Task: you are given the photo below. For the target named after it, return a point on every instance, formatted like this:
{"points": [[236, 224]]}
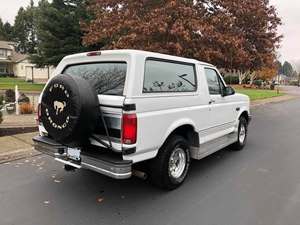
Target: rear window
{"points": [[169, 76], [108, 78]]}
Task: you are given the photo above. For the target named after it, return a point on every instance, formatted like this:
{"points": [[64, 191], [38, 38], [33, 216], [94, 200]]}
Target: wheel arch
{"points": [[246, 115], [186, 129]]}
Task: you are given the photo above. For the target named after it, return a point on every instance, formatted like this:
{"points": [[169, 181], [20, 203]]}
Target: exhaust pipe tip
{"points": [[140, 174]]}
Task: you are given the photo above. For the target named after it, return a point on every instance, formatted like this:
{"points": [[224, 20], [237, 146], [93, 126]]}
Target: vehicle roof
{"points": [[131, 52]]}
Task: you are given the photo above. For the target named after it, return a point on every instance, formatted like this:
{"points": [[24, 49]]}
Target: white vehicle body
{"points": [[210, 121]]}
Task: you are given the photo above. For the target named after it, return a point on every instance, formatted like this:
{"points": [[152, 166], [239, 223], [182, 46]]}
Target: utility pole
{"points": [[17, 100], [231, 72], [32, 80], [278, 81]]}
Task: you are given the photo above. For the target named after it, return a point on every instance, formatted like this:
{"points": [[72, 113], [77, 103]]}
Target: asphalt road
{"points": [[260, 185]]}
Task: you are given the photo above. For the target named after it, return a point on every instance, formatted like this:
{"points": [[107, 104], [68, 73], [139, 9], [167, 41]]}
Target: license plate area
{"points": [[73, 153]]}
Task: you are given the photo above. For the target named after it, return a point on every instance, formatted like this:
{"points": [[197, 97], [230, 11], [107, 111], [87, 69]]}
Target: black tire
{"points": [[159, 173], [69, 110], [239, 144]]}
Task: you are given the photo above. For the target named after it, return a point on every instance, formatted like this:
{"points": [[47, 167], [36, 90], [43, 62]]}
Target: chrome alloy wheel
{"points": [[242, 134], [177, 162]]}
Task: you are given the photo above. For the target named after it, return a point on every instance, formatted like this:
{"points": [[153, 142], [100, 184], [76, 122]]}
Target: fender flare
{"points": [[175, 125]]}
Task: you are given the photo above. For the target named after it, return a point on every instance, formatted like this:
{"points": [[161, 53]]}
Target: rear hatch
{"points": [[108, 78]]}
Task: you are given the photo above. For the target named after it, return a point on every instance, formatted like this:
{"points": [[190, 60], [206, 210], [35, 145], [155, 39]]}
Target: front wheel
{"points": [[242, 135], [169, 169]]}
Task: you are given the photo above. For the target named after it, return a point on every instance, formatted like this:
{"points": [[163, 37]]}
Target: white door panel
{"points": [[222, 109]]}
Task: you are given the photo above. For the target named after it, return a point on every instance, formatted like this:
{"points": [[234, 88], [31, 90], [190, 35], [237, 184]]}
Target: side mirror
{"points": [[228, 91]]}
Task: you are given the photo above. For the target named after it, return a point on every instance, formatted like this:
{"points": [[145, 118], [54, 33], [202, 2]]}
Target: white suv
{"points": [[122, 111]]}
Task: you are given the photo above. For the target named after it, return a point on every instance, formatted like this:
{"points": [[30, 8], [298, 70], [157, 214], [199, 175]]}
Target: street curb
{"points": [[18, 154], [12, 131]]}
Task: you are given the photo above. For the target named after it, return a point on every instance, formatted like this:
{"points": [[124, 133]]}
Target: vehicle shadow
{"points": [[88, 188]]}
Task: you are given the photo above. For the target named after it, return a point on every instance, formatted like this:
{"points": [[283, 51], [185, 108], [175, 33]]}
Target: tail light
{"points": [[129, 129], [39, 113]]}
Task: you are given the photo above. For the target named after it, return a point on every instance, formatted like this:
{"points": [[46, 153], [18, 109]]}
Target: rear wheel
{"points": [[242, 135], [169, 169]]}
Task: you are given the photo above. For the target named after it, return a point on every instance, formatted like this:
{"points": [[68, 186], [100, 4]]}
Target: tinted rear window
{"points": [[108, 78], [165, 76]]}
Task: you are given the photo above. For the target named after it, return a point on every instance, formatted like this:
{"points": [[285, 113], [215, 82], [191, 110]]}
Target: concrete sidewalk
{"points": [[16, 147], [13, 121], [272, 100]]}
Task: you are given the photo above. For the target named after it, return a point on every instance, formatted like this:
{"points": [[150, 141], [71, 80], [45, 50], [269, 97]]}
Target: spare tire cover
{"points": [[69, 110]]}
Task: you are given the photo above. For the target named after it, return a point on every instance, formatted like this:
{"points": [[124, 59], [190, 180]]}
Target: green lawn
{"points": [[256, 94], [10, 83]]}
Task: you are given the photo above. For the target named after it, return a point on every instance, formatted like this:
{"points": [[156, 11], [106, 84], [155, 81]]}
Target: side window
{"points": [[215, 85], [164, 76]]}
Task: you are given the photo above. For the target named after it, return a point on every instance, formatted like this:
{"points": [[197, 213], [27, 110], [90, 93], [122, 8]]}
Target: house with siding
{"points": [[15, 64]]}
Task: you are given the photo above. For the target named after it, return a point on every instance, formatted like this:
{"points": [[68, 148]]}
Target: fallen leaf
{"points": [[57, 181], [53, 176], [46, 202], [99, 200]]}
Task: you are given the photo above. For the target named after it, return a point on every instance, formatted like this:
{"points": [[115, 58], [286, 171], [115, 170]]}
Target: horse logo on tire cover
{"points": [[59, 106]]}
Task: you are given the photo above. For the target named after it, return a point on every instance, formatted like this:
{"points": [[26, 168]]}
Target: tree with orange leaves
{"points": [[238, 35], [267, 73]]}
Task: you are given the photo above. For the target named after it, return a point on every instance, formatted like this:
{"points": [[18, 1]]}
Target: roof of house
{"points": [[18, 57], [5, 61], [7, 45], [15, 57]]}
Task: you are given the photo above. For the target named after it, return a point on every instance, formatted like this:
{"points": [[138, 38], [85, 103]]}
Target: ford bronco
{"points": [[121, 112]]}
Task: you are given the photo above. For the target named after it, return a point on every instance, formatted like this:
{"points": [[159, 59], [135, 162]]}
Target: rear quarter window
{"points": [[108, 78], [169, 76]]}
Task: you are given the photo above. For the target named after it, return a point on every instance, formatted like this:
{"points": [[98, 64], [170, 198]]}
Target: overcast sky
{"points": [[289, 11]]}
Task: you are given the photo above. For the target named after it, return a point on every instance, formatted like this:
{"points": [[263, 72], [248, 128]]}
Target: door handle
{"points": [[211, 101]]}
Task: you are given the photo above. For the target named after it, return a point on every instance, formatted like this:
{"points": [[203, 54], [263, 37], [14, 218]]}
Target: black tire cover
{"points": [[70, 110]]}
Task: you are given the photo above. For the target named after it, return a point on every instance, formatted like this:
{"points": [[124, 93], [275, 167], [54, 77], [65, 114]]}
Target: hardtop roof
{"points": [[131, 52]]}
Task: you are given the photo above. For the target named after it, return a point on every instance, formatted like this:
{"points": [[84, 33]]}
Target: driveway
{"points": [[260, 185], [291, 90]]}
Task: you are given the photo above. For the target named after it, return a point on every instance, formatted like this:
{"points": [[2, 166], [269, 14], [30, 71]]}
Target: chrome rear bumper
{"points": [[107, 164]]}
